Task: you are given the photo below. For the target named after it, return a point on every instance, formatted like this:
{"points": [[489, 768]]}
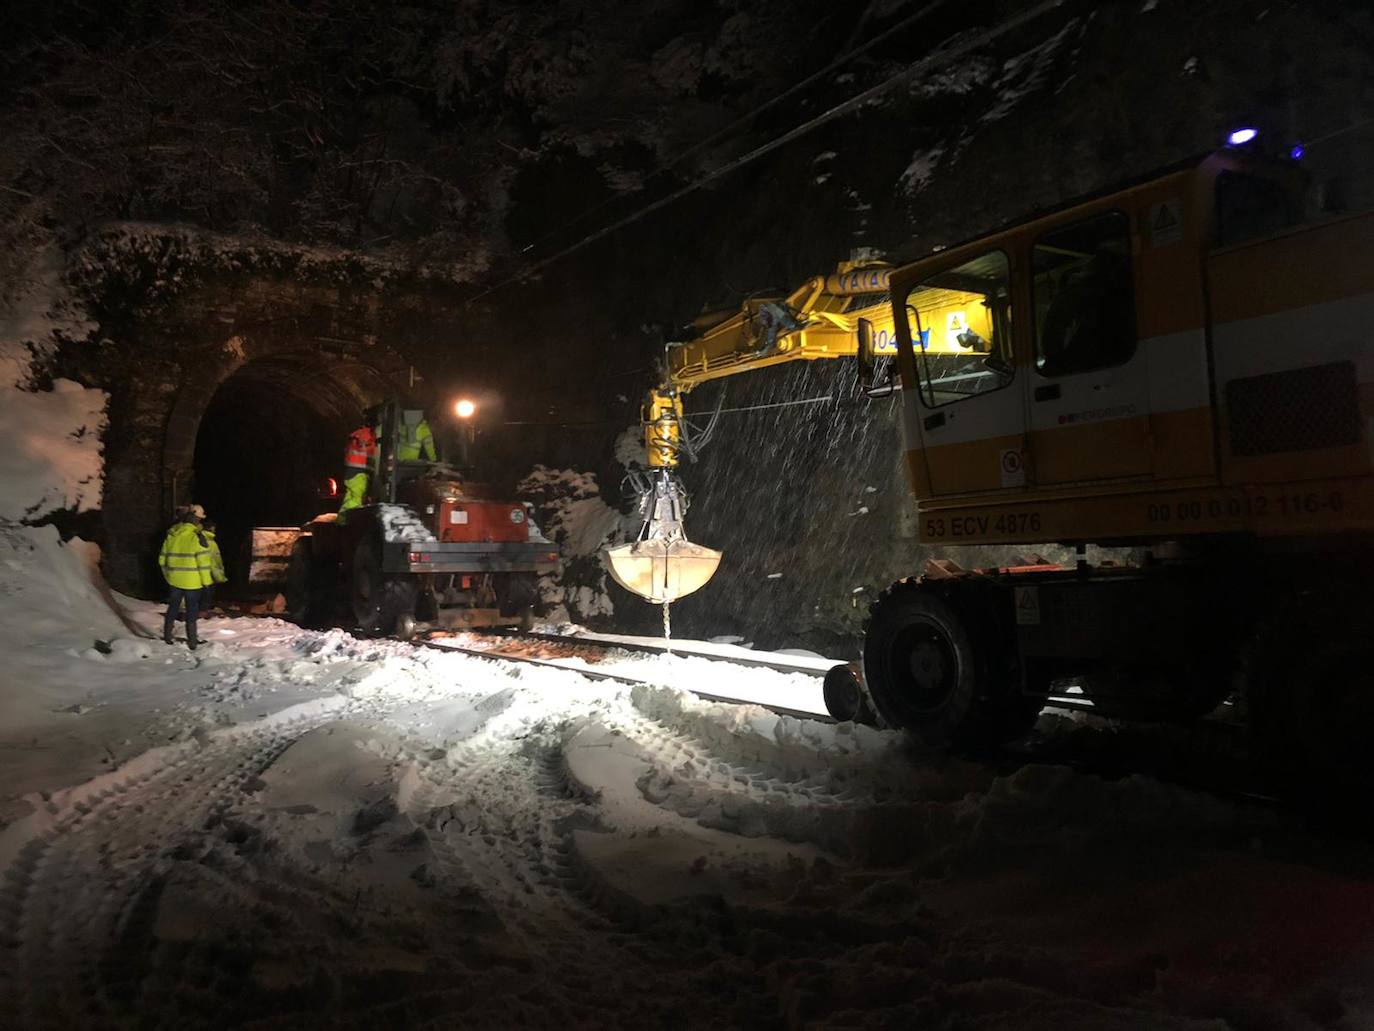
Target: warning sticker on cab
{"points": [[1166, 222], [1027, 606]]}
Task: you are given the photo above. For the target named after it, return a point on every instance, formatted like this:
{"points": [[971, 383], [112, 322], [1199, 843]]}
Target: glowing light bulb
{"points": [[1239, 137], [465, 409]]}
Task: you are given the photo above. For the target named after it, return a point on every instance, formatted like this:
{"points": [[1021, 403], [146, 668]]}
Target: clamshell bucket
{"points": [[661, 570], [662, 565]]}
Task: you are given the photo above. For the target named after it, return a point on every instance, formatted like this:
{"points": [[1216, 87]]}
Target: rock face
{"points": [[266, 353]]}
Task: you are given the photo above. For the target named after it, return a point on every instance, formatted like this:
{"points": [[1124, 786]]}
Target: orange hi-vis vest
{"points": [[362, 445]]}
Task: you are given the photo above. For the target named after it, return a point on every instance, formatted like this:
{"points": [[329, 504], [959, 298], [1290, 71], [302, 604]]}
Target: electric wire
{"points": [[933, 61]]}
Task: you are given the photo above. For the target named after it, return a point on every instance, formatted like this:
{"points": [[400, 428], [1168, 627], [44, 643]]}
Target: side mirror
{"points": [[874, 380]]}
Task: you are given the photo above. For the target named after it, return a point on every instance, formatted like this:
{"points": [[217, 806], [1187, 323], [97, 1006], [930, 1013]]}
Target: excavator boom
{"points": [[825, 317]]}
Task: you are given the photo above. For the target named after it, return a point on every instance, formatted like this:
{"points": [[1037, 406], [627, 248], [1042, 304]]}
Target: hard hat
{"points": [[195, 511]]}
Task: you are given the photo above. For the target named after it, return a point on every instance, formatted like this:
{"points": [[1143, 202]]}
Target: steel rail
{"points": [[647, 648], [496, 655]]}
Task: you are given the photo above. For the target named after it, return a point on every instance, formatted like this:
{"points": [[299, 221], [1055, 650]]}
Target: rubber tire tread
{"points": [[985, 708], [391, 597], [309, 590]]}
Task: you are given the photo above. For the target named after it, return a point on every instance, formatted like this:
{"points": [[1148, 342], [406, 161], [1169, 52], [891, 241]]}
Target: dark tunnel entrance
{"points": [[271, 434]]}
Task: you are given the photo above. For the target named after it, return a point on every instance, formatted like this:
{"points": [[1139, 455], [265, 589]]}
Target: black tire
{"points": [[379, 599], [516, 593], [928, 674], [309, 586], [845, 698]]}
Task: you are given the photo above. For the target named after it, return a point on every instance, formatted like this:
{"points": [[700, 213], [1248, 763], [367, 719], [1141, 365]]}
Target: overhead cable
{"points": [[936, 60], [744, 119]]}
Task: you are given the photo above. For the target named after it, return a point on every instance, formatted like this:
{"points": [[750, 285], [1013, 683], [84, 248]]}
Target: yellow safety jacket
{"points": [[415, 441], [185, 558], [216, 559]]}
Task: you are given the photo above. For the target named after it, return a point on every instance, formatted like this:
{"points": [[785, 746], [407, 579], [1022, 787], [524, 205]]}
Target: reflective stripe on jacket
{"points": [[362, 445], [185, 558], [216, 559], [415, 441]]}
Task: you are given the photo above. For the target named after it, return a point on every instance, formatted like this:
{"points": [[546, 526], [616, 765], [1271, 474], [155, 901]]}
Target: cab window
{"points": [[960, 324], [1084, 298]]}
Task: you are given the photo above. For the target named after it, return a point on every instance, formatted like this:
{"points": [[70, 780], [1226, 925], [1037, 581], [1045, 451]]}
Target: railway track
{"points": [[1209, 756], [578, 654]]}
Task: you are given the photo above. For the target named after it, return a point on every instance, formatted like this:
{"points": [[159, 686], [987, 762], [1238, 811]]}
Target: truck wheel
{"points": [[516, 592], [919, 665], [927, 672], [379, 600], [309, 585]]}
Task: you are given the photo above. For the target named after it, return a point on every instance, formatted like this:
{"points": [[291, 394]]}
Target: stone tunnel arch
{"points": [[267, 436], [248, 430]]}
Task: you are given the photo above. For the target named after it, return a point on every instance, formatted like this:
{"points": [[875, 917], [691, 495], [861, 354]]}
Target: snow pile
{"points": [[50, 614], [921, 169], [400, 524], [574, 516], [51, 459]]}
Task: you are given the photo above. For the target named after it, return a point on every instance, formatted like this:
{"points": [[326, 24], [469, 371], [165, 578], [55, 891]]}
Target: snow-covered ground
{"points": [[292, 828], [295, 829]]}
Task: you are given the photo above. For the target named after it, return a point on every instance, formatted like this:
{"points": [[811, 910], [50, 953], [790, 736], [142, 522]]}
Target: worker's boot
{"points": [[192, 641], [167, 628]]}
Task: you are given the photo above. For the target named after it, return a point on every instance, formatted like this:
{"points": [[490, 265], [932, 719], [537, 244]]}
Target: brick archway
{"points": [[150, 454], [342, 382]]}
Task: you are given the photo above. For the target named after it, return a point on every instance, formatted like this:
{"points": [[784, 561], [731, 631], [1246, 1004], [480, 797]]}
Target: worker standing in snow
{"points": [[358, 459], [186, 566], [217, 574], [416, 441]]}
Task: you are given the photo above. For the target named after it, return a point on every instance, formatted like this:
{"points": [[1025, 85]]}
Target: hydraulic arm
{"points": [[825, 317]]}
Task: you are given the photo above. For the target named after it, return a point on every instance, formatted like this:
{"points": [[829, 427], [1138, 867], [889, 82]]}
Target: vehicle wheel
{"points": [[845, 698], [379, 599], [309, 586], [920, 666], [516, 592], [926, 673]]}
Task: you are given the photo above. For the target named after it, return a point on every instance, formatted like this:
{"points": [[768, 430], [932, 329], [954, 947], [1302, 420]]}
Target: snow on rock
{"points": [[1029, 71], [629, 447], [52, 454], [573, 515], [920, 170], [400, 524]]}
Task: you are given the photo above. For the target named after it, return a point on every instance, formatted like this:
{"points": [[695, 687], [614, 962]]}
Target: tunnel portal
{"points": [[272, 432]]}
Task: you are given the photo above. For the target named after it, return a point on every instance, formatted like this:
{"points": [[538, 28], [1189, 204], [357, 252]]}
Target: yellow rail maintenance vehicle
{"points": [[1184, 368]]}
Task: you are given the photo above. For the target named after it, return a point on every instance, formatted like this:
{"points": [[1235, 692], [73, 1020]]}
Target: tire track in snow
{"points": [[502, 821], [87, 879]]}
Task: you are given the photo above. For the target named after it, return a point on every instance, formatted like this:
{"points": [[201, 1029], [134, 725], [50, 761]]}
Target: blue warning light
{"points": [[1297, 152], [1240, 137]]}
